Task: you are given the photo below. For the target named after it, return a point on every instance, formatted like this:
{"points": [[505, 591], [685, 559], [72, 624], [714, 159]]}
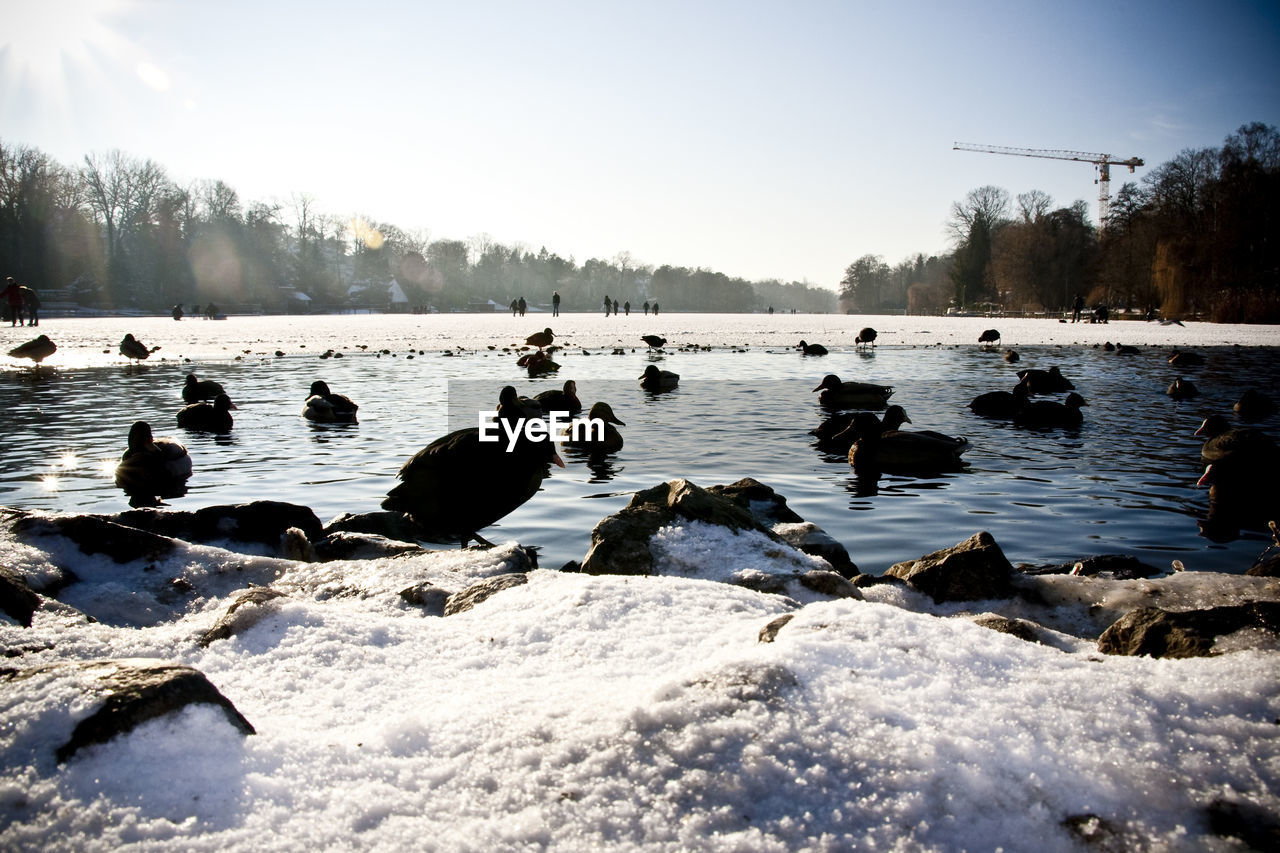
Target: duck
{"points": [[1242, 465], [325, 407], [1048, 413], [1182, 389], [852, 395], [1001, 404], [1223, 442], [989, 336], [36, 349], [560, 399], [541, 339], [134, 349], [1049, 381], [655, 380], [835, 436], [194, 390], [1182, 358], [458, 485], [537, 363], [1126, 349], [654, 341], [879, 450], [208, 417], [1254, 405], [1012, 356], [586, 438], [866, 336], [812, 349], [152, 468]]}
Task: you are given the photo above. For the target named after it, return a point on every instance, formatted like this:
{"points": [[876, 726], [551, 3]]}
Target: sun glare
{"points": [[41, 40]]}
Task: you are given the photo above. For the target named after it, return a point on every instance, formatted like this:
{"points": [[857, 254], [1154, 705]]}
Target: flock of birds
{"points": [[459, 484]]}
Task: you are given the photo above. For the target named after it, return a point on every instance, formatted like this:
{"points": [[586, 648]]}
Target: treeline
{"points": [[1199, 236], [116, 232]]}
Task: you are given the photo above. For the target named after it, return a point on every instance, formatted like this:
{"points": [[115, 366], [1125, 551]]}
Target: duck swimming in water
{"points": [[895, 451], [1001, 404], [590, 440], [152, 468], [560, 399], [812, 349], [1047, 413], [194, 390], [325, 407], [1049, 381], [458, 485], [654, 380], [1254, 405], [852, 395], [208, 417], [1182, 389], [835, 434]]}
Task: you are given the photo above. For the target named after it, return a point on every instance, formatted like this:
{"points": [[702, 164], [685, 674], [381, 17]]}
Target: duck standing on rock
{"points": [[152, 468], [194, 390], [588, 439], [812, 349], [325, 407], [1047, 413], [208, 417], [37, 349], [655, 381], [852, 395], [134, 349], [458, 485]]}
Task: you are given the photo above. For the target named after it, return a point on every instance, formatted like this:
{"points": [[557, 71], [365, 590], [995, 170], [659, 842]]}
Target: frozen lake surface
{"points": [[1123, 483]]}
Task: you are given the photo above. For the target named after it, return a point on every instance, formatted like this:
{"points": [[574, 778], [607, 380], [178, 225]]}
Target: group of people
{"points": [[611, 306], [519, 306], [210, 311], [21, 302]]}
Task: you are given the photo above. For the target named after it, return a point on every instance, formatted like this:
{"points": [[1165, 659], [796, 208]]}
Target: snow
{"points": [[583, 712]]}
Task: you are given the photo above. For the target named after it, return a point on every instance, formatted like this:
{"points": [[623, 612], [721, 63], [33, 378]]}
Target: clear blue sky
{"points": [[778, 139]]}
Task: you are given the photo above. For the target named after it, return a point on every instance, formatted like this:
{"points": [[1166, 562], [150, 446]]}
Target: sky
{"points": [[760, 139]]}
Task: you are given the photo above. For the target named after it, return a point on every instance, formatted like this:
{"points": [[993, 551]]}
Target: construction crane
{"points": [[1102, 162]]}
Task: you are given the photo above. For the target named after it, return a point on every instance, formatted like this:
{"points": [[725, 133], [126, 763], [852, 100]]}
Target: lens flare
{"points": [[366, 234]]}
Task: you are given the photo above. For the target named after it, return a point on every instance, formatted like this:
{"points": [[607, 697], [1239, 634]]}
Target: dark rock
{"points": [[393, 525], [345, 545], [812, 539], [1121, 567], [132, 692], [769, 632], [95, 535], [1019, 628], [974, 569], [765, 505], [1253, 825], [829, 583], [864, 581], [17, 599], [765, 582], [476, 593], [431, 598], [264, 522], [1268, 567], [249, 608], [1184, 634]]}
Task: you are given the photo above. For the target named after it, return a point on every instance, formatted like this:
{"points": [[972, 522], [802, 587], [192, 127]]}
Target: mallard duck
{"points": [[812, 349], [866, 336], [1047, 413], [1254, 405], [134, 349], [1012, 356], [1182, 358], [1049, 381], [835, 434], [1001, 404], [655, 380], [560, 399], [325, 407], [208, 417], [589, 439], [194, 390], [878, 450], [852, 395], [37, 349], [989, 336], [541, 339], [1182, 389], [1126, 349], [654, 341], [459, 485], [1223, 442], [152, 468]]}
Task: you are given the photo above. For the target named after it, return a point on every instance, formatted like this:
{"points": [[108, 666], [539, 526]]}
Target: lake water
{"points": [[1123, 483]]}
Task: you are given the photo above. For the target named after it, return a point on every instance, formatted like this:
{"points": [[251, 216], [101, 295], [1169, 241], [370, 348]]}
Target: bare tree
{"points": [[1033, 205], [987, 207]]}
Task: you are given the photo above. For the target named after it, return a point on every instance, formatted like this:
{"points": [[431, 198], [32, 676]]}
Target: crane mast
{"points": [[1102, 162]]}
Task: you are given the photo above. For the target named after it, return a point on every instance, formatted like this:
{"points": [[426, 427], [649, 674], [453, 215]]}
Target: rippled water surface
{"points": [[1123, 483]]}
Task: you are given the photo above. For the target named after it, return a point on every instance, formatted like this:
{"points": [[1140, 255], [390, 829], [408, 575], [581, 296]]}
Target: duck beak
{"points": [[1206, 476], [555, 457]]}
